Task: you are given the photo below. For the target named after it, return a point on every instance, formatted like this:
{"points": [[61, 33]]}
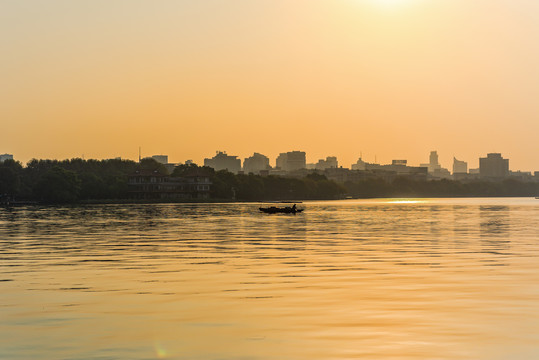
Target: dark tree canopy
{"points": [[58, 185], [74, 180], [10, 177]]}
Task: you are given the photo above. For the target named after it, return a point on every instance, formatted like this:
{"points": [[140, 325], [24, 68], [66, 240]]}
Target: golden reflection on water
{"points": [[373, 279], [406, 201]]}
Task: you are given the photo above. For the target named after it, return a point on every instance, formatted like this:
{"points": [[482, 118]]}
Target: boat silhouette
{"points": [[281, 210]]}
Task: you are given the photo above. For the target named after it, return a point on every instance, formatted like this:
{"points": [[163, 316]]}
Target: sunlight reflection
{"points": [[406, 201], [160, 351]]}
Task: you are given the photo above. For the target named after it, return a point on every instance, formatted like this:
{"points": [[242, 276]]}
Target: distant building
{"points": [[255, 164], [385, 172], [493, 166], [154, 185], [170, 167], [459, 167], [162, 159], [342, 176], [522, 175], [222, 161], [359, 165], [401, 168], [330, 163], [434, 168], [372, 166], [5, 157], [433, 158], [399, 162], [291, 161], [474, 171], [433, 165]]}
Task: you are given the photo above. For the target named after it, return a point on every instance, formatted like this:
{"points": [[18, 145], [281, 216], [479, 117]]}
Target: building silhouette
{"points": [[255, 164], [222, 161], [436, 170], [399, 162], [493, 166], [330, 163], [5, 157], [154, 184], [433, 165], [401, 168], [359, 165], [459, 167], [291, 161], [162, 159]]}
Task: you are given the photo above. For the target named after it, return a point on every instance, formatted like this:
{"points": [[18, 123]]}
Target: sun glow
{"points": [[389, 3]]}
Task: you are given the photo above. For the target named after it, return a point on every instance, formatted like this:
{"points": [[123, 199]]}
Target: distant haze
{"points": [[393, 80]]}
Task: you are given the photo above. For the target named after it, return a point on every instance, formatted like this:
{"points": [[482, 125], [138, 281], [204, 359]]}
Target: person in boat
{"points": [[294, 208]]}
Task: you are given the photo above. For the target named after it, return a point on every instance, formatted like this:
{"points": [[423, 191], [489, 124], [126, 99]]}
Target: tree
{"points": [[10, 177], [151, 164], [58, 186]]}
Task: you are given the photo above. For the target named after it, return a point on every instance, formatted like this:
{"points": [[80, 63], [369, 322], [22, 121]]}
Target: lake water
{"points": [[366, 279]]}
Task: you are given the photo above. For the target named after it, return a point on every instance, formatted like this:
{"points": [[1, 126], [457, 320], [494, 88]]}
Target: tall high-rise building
{"points": [[222, 161], [256, 163], [433, 159], [290, 161], [493, 166], [434, 167], [459, 167], [433, 164]]}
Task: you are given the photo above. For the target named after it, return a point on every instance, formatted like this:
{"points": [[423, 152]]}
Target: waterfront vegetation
{"points": [[78, 180]]}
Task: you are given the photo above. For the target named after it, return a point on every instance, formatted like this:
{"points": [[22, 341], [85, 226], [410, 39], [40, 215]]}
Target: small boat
{"points": [[281, 210]]}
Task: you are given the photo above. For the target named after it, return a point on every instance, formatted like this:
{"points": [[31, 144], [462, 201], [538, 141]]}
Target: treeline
{"points": [[406, 187], [53, 181], [75, 180], [253, 187]]}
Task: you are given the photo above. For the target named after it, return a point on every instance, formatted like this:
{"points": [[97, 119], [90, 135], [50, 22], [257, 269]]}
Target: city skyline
{"points": [[446, 159], [389, 79], [222, 160]]}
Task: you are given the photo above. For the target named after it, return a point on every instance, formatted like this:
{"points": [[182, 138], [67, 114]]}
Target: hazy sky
{"points": [[391, 78]]}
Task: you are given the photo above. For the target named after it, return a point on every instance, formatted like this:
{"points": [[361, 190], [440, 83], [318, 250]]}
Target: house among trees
{"points": [[149, 184]]}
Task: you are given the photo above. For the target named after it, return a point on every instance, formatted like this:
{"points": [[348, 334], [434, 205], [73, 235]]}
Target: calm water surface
{"points": [[369, 279]]}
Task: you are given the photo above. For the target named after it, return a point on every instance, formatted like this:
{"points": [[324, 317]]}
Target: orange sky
{"points": [[390, 78]]}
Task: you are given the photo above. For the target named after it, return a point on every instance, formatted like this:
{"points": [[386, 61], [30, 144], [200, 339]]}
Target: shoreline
{"points": [[228, 201]]}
